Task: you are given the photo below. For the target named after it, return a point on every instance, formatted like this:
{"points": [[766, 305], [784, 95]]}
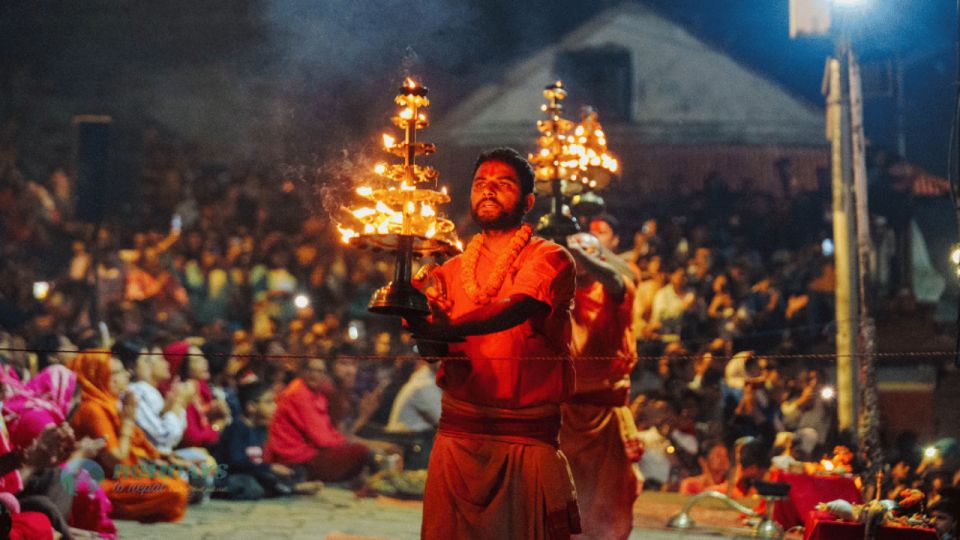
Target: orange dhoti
{"points": [[147, 500], [495, 474], [592, 438]]}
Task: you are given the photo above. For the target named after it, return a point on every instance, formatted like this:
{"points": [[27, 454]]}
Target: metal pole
{"points": [[838, 122], [869, 428]]}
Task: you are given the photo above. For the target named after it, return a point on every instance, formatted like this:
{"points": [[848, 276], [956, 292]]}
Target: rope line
{"points": [[286, 356]]}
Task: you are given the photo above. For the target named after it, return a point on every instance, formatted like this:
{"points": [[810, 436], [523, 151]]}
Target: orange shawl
{"points": [[98, 416]]}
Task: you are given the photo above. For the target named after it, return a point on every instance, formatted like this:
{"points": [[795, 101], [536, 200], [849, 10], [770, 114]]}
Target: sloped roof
{"points": [[684, 92]]}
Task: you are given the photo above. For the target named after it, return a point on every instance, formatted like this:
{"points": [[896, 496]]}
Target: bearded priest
{"points": [[496, 470]]}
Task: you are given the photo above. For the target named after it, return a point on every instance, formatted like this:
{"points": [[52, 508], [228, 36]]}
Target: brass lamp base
{"points": [[588, 204], [400, 299], [557, 227]]}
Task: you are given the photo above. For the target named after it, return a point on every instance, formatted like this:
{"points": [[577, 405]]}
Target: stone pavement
{"points": [[337, 514]]}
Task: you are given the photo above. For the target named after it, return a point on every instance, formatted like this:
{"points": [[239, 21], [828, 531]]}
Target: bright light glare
{"points": [[828, 392], [41, 289], [930, 452], [353, 332], [301, 301], [955, 255], [851, 3]]}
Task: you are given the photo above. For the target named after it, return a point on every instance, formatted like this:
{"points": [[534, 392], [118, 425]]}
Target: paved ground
{"points": [[336, 514]]}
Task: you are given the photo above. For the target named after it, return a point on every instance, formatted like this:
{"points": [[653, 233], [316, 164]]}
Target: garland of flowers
{"points": [[468, 267]]}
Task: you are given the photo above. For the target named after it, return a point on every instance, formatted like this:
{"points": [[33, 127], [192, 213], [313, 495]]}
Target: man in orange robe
{"points": [[496, 470], [598, 434]]}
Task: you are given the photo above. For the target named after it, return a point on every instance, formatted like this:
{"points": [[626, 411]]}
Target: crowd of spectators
{"points": [[243, 324]]}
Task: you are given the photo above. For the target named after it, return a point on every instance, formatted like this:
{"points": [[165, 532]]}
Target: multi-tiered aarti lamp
{"points": [[571, 161], [399, 209]]}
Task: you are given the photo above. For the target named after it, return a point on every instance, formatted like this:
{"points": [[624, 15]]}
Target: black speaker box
{"points": [[92, 166]]}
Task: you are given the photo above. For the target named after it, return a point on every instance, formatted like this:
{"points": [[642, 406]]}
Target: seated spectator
{"points": [[752, 464], [163, 420], [748, 408], [16, 520], [672, 304], [945, 515], [715, 463], [415, 415], [102, 381], [302, 434], [417, 406], [807, 410], [241, 450], [206, 414], [661, 442]]}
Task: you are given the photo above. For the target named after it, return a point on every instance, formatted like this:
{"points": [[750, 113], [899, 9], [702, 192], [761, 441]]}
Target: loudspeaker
{"points": [[92, 166]]}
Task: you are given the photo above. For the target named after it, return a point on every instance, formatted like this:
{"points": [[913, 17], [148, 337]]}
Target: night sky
{"points": [[289, 77]]}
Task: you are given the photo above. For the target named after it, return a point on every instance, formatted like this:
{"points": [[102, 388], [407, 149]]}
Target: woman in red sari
{"points": [[102, 380]]}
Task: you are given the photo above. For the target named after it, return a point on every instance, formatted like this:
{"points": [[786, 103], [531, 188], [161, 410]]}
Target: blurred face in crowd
{"points": [[151, 261], [261, 411], [718, 459], [495, 199], [315, 374], [654, 266], [119, 377], [650, 227], [382, 344], [209, 258], [943, 522], [199, 367], [306, 253], [605, 234], [345, 372], [720, 284], [678, 278]]}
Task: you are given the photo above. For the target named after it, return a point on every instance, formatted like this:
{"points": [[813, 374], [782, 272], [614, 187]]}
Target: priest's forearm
{"points": [[611, 279], [497, 316]]}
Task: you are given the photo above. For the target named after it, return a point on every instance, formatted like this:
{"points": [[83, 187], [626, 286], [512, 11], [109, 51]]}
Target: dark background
{"points": [[301, 80]]}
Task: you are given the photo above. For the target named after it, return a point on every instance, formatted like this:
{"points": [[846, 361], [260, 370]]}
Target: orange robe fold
{"points": [[497, 486], [596, 425], [488, 478]]}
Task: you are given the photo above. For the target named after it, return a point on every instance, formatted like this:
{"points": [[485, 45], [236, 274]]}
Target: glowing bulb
{"points": [[410, 83], [955, 255], [41, 289], [828, 393], [930, 452], [365, 191], [388, 140], [301, 301], [379, 168], [406, 113]]}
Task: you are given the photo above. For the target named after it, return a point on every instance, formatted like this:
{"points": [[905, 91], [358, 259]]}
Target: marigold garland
{"points": [[468, 266]]}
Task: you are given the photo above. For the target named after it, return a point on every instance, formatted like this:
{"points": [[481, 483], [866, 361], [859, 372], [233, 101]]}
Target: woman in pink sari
{"points": [[46, 400]]}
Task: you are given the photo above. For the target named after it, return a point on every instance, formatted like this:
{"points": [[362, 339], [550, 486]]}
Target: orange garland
{"points": [[468, 266]]}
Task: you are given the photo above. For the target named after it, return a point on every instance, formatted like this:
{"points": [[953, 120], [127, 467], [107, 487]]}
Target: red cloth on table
{"points": [[808, 490], [301, 426], [822, 526]]}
